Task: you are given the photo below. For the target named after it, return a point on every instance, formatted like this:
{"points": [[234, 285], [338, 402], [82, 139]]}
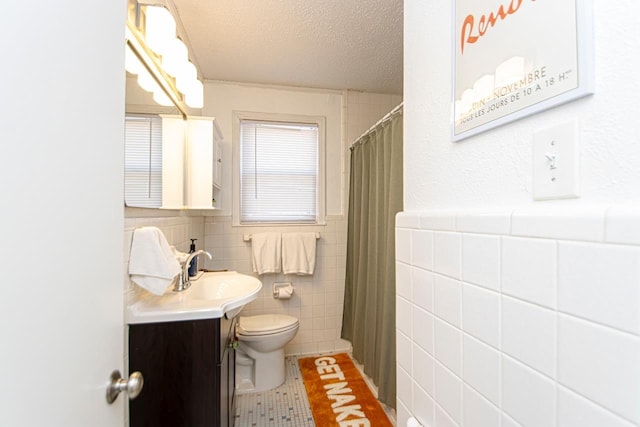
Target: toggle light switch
{"points": [[556, 169]]}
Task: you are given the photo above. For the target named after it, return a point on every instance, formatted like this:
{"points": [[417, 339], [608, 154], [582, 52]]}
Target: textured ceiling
{"points": [[330, 44]]}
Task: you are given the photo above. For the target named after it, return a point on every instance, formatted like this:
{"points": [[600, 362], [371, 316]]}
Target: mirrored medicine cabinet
{"points": [[170, 162]]}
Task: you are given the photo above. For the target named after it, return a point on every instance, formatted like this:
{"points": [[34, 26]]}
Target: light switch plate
{"points": [[556, 169]]}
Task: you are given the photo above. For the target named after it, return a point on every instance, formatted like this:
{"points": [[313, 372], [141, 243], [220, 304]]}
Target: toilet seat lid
{"points": [[265, 324]]}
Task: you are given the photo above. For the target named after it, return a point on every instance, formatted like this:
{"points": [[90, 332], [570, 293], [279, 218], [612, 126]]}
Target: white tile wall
{"points": [[448, 392], [508, 421], [422, 324], [403, 249], [529, 270], [622, 225], [425, 408], [404, 357], [575, 410], [443, 419], [541, 327], [404, 279], [318, 300], [481, 314], [422, 249], [561, 222], [478, 411], [482, 368], [441, 221], [600, 364], [423, 366], [583, 271], [447, 254], [404, 412], [481, 260], [528, 334], [494, 221], [403, 316], [448, 346], [404, 387], [527, 396], [422, 288], [447, 295]]}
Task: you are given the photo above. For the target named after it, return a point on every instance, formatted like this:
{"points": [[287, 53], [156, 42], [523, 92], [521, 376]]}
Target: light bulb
{"points": [[174, 57], [160, 28], [186, 76], [131, 62], [145, 81], [161, 98], [194, 97]]}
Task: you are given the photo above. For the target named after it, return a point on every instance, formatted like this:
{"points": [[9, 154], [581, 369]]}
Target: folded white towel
{"points": [[298, 253], [266, 252], [152, 264]]}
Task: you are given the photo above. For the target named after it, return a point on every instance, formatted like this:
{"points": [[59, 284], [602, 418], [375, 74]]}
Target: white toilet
{"points": [[260, 355]]}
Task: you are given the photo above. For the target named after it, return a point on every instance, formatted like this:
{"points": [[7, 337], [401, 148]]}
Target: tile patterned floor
{"points": [[284, 406]]}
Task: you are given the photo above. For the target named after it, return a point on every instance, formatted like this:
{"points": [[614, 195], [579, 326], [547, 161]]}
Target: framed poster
{"points": [[514, 58]]}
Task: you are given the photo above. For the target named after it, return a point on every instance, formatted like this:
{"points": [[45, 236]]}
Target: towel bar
{"points": [[247, 237]]}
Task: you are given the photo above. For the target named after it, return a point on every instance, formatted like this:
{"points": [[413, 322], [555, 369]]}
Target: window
{"points": [[143, 161], [280, 179]]}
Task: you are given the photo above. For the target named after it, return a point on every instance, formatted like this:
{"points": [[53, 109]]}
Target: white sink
{"points": [[211, 296]]}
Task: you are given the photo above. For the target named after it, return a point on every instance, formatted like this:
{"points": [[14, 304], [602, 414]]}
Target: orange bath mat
{"points": [[338, 395]]}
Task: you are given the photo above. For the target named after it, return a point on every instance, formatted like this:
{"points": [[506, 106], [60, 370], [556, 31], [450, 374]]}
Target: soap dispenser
{"points": [[193, 266]]}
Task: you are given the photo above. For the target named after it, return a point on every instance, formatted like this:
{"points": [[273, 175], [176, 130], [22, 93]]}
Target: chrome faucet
{"points": [[183, 281]]}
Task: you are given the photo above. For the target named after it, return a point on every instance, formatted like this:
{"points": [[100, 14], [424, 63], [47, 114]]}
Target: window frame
{"points": [[320, 121]]}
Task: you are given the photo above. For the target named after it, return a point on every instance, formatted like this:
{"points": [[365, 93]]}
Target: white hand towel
{"points": [[266, 252], [152, 264], [298, 253]]}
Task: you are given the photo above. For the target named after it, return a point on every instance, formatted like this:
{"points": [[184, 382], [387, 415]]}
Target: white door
{"points": [[61, 212]]}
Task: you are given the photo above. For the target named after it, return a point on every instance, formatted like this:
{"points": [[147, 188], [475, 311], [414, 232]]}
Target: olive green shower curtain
{"points": [[375, 197]]}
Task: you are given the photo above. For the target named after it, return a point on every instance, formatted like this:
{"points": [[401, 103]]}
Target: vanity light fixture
{"points": [[160, 59]]}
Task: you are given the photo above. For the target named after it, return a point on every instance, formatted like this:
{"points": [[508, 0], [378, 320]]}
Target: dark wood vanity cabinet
{"points": [[189, 373]]}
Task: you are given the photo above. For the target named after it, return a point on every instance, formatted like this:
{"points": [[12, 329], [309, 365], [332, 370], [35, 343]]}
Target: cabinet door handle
{"points": [[132, 386]]}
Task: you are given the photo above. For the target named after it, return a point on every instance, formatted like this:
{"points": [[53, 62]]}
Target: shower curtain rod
{"points": [[382, 120]]}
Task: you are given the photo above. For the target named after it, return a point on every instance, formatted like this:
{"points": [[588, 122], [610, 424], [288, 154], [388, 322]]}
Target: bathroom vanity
{"points": [[189, 373], [183, 343]]}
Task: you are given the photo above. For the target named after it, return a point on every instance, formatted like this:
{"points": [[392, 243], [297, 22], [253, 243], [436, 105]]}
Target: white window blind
{"points": [[278, 172], [143, 161]]}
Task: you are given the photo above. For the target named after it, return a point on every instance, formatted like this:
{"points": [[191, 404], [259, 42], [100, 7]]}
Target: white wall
{"points": [[520, 317], [531, 308], [494, 168], [222, 99]]}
